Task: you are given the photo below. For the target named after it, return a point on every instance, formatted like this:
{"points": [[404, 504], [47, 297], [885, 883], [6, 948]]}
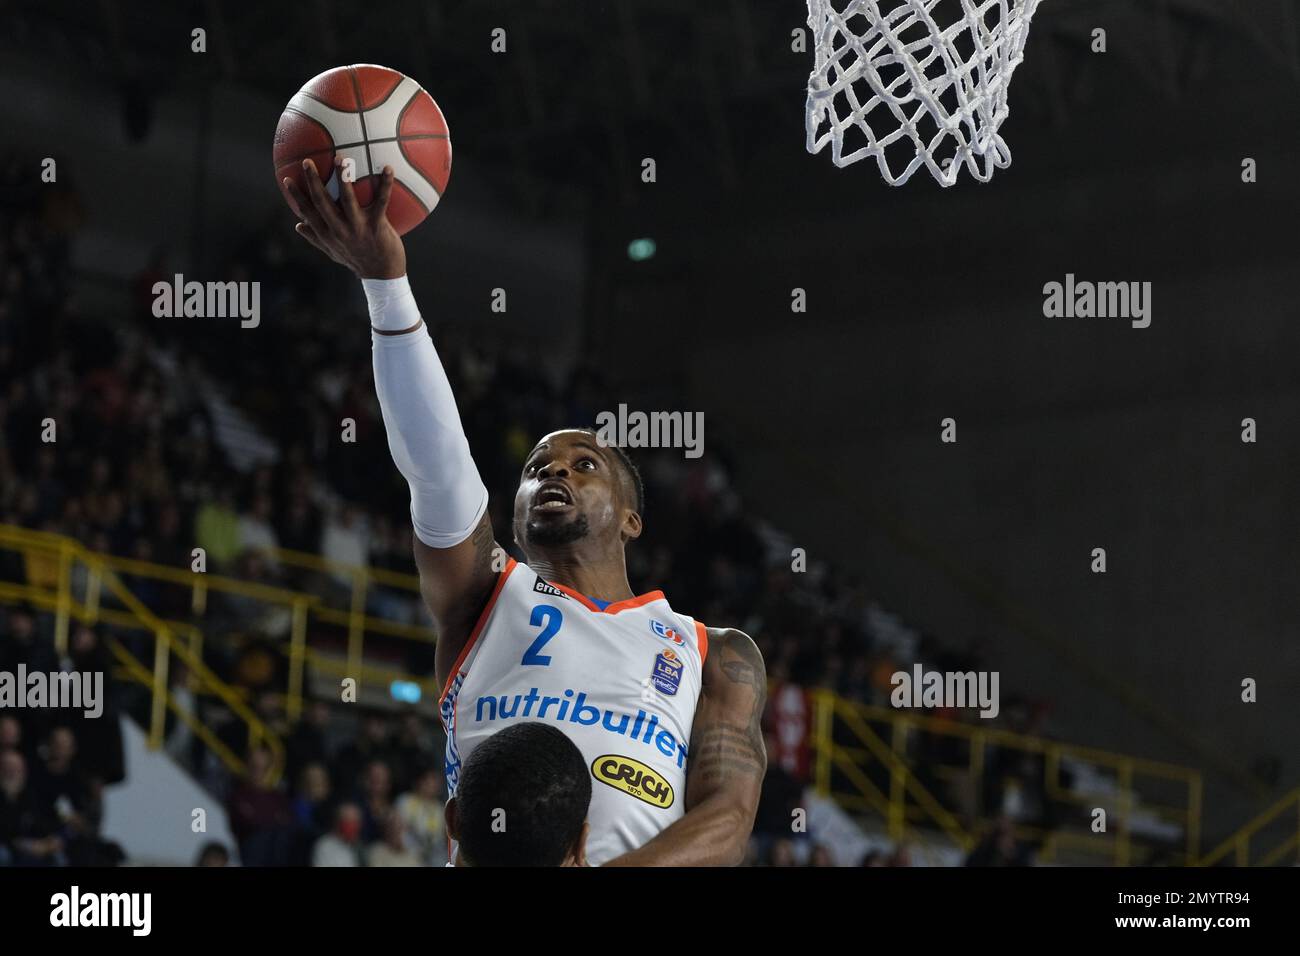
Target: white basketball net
{"points": [[909, 75]]}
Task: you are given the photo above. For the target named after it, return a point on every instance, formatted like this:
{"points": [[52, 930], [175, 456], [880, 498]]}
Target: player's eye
{"points": [[587, 461]]}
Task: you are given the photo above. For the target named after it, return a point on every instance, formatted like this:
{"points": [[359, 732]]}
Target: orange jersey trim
{"points": [[702, 639], [612, 608], [478, 628]]}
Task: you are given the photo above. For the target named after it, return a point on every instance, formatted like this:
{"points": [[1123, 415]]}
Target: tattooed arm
{"points": [[726, 764]]}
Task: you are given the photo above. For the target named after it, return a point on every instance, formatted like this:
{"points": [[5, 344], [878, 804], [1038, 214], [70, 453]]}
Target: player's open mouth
{"points": [[552, 497]]}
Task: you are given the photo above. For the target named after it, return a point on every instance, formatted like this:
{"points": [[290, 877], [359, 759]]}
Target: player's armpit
{"points": [[456, 583], [724, 775]]}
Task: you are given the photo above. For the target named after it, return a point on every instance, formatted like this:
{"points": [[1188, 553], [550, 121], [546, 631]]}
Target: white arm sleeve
{"points": [[448, 497]]}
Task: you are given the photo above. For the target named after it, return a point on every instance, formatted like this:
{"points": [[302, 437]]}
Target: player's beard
{"points": [[549, 534]]}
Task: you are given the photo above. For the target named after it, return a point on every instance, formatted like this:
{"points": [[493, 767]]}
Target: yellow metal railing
{"points": [[360, 581], [48, 570], [97, 572], [1239, 844], [849, 739]]}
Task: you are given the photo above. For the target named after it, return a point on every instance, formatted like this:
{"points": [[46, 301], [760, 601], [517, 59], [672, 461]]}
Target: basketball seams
{"points": [[312, 96], [402, 149], [361, 113], [382, 139], [389, 95], [404, 138], [323, 128], [419, 172], [410, 192]]}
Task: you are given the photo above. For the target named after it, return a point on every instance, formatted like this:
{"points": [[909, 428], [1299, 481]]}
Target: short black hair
{"points": [[537, 778], [629, 468], [212, 848]]}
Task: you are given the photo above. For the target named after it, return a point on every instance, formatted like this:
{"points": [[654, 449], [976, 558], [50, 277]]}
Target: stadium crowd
{"points": [[110, 434]]}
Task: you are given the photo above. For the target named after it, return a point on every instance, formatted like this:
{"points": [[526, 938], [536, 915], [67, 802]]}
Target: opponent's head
{"points": [[575, 490], [522, 800]]}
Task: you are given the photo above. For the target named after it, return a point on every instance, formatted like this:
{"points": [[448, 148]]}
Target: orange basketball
{"points": [[375, 117]]}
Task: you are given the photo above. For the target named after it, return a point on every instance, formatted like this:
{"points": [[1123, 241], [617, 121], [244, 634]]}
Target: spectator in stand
{"points": [[376, 799], [58, 782], [370, 745], [821, 856], [342, 845], [902, 856], [312, 810], [26, 645], [781, 796], [307, 742], [412, 750], [346, 542], [782, 853], [28, 827], [421, 812], [216, 528], [11, 734], [1000, 847], [300, 526], [255, 531], [169, 545], [261, 816], [392, 849], [98, 739]]}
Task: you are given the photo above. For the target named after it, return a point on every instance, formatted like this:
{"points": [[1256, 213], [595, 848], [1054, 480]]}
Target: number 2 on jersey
{"points": [[549, 615]]}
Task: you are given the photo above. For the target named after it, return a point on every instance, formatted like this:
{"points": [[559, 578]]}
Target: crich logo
{"points": [[633, 778], [132, 910], [666, 632]]}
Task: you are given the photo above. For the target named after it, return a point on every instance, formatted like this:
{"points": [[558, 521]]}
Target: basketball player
{"points": [[664, 710], [522, 800]]}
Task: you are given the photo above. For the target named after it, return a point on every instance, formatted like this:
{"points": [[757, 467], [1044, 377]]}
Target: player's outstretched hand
{"points": [[361, 239]]}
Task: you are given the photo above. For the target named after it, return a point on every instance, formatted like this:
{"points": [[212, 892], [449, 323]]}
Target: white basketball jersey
{"points": [[622, 683]]}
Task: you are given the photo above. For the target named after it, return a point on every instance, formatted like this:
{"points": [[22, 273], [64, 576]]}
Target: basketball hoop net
{"points": [[900, 78]]}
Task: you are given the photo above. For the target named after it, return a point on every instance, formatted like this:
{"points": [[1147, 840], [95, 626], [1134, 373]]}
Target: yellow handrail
{"points": [[100, 572], [909, 799], [315, 562], [140, 673], [1240, 841], [902, 780], [304, 609]]}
